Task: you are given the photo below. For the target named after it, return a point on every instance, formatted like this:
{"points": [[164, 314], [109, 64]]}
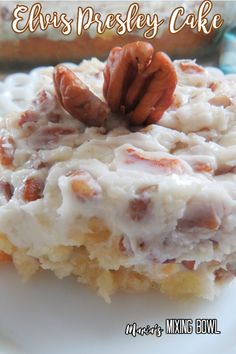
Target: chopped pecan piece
{"points": [[33, 188], [43, 106], [200, 222], [191, 68], [220, 100], [222, 274], [203, 167], [125, 247], [138, 208], [84, 185], [82, 190], [188, 264], [49, 137], [4, 257], [122, 247], [221, 170], [199, 216], [139, 82], [142, 245], [77, 99], [7, 150], [46, 102], [213, 86], [6, 189], [164, 164]]}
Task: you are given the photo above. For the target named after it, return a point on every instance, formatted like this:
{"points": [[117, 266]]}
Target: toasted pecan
{"points": [[77, 99], [139, 82], [7, 150], [6, 189], [33, 189]]}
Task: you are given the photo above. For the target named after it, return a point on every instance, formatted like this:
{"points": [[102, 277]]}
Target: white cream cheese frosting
{"points": [[169, 189]]}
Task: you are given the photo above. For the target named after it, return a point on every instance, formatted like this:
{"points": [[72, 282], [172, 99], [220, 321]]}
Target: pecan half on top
{"points": [[77, 99], [139, 82]]}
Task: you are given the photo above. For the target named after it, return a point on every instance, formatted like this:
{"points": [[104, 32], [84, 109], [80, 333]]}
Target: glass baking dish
{"points": [[18, 50]]}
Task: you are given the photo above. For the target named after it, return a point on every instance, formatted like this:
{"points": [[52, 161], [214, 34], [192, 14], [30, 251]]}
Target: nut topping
{"points": [[139, 82], [220, 100], [203, 167], [162, 165], [84, 186], [222, 274], [4, 257], [138, 208], [49, 137], [6, 189], [77, 99], [125, 246], [7, 150], [33, 189], [189, 264], [191, 68], [200, 217]]}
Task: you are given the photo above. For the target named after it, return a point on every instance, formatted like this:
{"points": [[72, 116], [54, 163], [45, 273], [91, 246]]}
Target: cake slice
{"points": [[123, 202]]}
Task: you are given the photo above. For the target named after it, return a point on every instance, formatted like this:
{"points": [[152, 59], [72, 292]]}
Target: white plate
{"points": [[50, 316]]}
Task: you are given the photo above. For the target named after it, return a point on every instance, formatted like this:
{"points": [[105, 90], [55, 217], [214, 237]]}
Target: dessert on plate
{"points": [[121, 173]]}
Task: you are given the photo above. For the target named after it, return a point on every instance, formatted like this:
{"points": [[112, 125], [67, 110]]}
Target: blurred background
{"points": [[26, 50]]}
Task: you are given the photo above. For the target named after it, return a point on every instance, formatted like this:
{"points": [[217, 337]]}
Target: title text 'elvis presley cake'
{"points": [[121, 173]]}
